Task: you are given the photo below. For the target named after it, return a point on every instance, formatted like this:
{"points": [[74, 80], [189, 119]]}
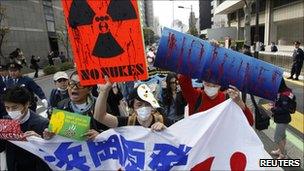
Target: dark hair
{"points": [[16, 94], [76, 73], [297, 43], [132, 96], [168, 96], [283, 87]]}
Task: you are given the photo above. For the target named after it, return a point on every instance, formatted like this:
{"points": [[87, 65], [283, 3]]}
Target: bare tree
{"points": [[3, 32], [62, 35]]}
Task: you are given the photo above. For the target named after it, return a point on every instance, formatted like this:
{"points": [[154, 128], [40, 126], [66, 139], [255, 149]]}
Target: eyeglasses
{"points": [[61, 80], [72, 84]]}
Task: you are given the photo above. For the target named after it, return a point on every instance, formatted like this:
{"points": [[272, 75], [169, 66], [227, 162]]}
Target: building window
{"points": [[241, 13], [49, 15], [47, 2], [232, 16], [50, 26], [278, 3], [262, 6], [289, 31]]}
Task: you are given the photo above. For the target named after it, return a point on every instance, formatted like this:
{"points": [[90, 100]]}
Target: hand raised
{"points": [[105, 87]]}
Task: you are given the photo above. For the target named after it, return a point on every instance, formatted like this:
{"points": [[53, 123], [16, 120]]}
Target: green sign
{"points": [[71, 125]]}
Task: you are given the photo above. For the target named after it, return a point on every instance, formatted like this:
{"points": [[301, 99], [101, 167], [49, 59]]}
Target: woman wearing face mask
{"points": [[143, 103], [16, 101], [210, 96]]}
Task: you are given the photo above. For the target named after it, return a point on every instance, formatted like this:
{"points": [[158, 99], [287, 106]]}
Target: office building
{"points": [[280, 21], [33, 25]]}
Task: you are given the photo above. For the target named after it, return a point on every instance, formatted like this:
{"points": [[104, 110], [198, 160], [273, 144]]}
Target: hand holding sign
{"points": [[47, 134], [105, 87], [67, 124], [31, 133], [91, 134], [234, 94]]}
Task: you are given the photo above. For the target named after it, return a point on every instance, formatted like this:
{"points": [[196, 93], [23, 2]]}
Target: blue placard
{"points": [[196, 58]]}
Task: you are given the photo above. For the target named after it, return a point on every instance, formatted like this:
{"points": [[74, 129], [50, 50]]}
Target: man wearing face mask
{"points": [[61, 91], [210, 96], [143, 103], [17, 101]]}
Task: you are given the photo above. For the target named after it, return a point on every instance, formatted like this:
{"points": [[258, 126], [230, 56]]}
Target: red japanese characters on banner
{"points": [[106, 39], [10, 130]]}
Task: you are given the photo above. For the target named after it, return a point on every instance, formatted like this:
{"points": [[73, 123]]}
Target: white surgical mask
{"points": [[15, 115], [143, 113], [150, 59], [211, 91]]}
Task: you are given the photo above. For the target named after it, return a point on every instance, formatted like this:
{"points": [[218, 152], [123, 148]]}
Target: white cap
{"points": [[59, 75], [144, 92]]}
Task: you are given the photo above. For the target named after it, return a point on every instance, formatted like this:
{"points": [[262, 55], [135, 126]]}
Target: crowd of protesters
{"points": [[155, 103]]}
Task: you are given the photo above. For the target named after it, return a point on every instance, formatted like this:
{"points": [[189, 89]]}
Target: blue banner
{"points": [[196, 58]]}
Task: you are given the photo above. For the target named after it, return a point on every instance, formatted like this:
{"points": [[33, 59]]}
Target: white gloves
{"points": [[45, 103]]}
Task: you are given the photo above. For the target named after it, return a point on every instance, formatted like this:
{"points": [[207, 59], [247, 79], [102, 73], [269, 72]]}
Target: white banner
{"points": [[217, 139]]}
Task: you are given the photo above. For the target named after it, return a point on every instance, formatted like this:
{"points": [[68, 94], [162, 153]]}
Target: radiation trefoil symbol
{"points": [[118, 10]]}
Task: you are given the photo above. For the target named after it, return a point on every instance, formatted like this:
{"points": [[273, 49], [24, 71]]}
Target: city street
{"points": [[174, 73], [295, 130]]}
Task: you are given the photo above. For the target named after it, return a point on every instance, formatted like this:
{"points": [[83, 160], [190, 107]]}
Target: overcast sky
{"points": [[163, 9]]}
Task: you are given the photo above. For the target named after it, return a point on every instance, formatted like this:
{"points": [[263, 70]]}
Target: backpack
{"points": [[157, 118], [287, 101]]}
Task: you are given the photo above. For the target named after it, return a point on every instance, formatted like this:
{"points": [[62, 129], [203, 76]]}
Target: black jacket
{"points": [[274, 48], [281, 111], [57, 96], [180, 104], [114, 102], [298, 56], [20, 159], [34, 63], [28, 83]]}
